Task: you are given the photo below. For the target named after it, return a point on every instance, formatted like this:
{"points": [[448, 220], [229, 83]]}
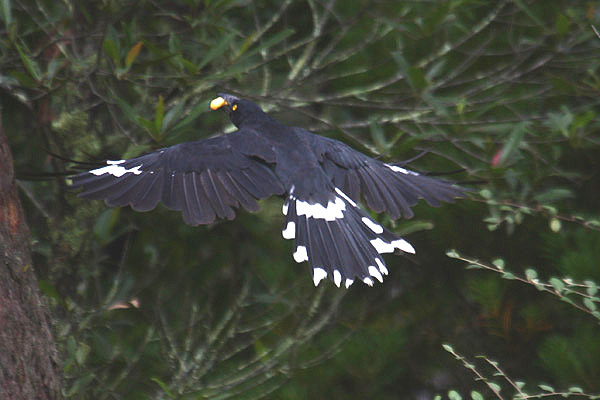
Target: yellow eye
{"points": [[234, 107]]}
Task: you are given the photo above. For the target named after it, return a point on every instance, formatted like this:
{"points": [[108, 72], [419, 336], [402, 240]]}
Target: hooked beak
{"points": [[217, 103]]}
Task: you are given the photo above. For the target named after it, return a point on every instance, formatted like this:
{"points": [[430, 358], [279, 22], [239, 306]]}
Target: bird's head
{"points": [[238, 110]]}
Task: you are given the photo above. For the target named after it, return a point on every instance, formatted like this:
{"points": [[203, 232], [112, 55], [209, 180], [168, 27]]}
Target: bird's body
{"points": [[321, 179]]}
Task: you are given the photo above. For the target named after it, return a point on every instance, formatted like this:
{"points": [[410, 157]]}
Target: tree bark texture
{"points": [[29, 366]]}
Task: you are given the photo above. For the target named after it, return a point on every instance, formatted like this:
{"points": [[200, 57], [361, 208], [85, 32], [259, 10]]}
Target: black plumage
{"points": [[321, 180]]}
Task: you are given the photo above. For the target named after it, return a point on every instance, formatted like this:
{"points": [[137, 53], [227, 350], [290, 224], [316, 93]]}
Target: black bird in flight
{"points": [[320, 179]]}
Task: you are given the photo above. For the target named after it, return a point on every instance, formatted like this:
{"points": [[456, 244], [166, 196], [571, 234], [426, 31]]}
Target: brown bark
{"points": [[28, 355]]}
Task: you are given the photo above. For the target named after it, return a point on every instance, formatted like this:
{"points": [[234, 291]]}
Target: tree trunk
{"points": [[28, 355]]}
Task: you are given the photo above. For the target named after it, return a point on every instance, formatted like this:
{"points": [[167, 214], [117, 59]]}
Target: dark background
{"points": [[502, 94]]}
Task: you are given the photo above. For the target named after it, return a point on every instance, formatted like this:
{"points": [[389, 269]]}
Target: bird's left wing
{"points": [[385, 187], [205, 180]]}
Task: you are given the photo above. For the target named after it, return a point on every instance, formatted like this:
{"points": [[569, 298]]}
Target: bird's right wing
{"points": [[385, 187], [204, 179]]}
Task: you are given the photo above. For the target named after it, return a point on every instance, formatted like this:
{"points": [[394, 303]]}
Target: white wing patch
{"points": [[337, 278], [375, 227], [290, 230], [348, 199], [300, 254], [381, 266], [334, 210], [385, 247], [113, 168], [318, 275], [396, 168], [374, 272], [404, 246], [284, 209]]}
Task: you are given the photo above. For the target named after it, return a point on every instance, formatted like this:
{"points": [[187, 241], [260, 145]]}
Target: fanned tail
{"points": [[338, 239]]}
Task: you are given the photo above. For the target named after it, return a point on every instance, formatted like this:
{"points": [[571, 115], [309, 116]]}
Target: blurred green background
{"points": [[500, 95]]}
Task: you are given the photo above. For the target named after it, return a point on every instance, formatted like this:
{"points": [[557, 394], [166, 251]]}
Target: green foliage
{"points": [[504, 92], [520, 390]]}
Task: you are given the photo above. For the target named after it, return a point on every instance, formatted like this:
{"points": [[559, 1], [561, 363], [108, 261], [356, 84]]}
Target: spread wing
{"points": [[204, 180], [385, 187]]}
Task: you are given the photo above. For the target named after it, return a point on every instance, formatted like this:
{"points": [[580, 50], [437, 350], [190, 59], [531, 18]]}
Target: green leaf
{"points": [[476, 395], [172, 114], [452, 253], [417, 79], [136, 150], [557, 284], [270, 42], [494, 386], [592, 288], [555, 225], [448, 348], [53, 67], [82, 352], [460, 106], [511, 147], [520, 384], [530, 13], [414, 76], [217, 50], [454, 395], [378, 136], [148, 125], [111, 45], [159, 114], [531, 274], [5, 10], [105, 223], [486, 194], [567, 300], [434, 71], [508, 275], [174, 44], [575, 389], [189, 66], [164, 387], [48, 289], [30, 64], [434, 19], [414, 226], [561, 25], [563, 86], [546, 388], [560, 121], [581, 120], [553, 195], [474, 266], [245, 45], [499, 263], [191, 117], [594, 223], [551, 210], [23, 79], [589, 303], [128, 110], [81, 384]]}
